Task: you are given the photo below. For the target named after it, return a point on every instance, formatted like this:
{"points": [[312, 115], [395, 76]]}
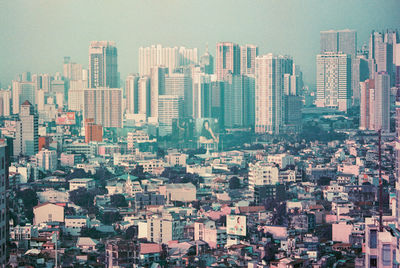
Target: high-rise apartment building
{"points": [[171, 57], [72, 70], [26, 137], [248, 54], [382, 102], [375, 103], [227, 59], [131, 91], [5, 102], [103, 64], [144, 103], [157, 87], [104, 105], [269, 93], [334, 81]]}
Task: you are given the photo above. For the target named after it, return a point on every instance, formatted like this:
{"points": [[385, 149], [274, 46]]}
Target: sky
{"points": [[35, 35]]}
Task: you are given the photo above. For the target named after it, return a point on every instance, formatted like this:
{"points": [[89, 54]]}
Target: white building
{"points": [[334, 81], [269, 93], [47, 160], [176, 159], [283, 160], [183, 192], [48, 212], [170, 107], [104, 105], [74, 224], [262, 173], [171, 57], [81, 183], [164, 228]]}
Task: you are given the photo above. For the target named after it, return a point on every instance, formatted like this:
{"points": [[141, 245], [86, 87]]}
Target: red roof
{"points": [[251, 209], [27, 103], [147, 248]]}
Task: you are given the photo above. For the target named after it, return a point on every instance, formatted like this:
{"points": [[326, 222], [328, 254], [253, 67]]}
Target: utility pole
{"points": [[380, 183]]}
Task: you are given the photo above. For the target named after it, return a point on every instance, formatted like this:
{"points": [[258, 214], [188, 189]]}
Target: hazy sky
{"points": [[37, 34]]}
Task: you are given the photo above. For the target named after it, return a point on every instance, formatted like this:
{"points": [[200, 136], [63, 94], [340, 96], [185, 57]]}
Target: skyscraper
{"points": [[334, 81], [22, 91], [132, 91], [144, 102], [3, 205], [269, 93], [170, 107], [26, 137], [382, 102], [344, 41], [180, 84], [201, 104], [207, 62], [103, 64], [365, 107], [104, 105], [227, 59], [171, 57], [157, 87], [248, 54]]}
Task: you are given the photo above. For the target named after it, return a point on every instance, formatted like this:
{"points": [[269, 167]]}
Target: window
{"points": [[386, 256], [372, 239]]}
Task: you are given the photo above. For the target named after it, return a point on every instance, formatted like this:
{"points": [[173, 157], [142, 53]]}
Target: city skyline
{"points": [[71, 31]]}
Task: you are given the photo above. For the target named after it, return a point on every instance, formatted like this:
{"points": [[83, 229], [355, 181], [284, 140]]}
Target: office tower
{"points": [[72, 70], [201, 105], [234, 101], [360, 72], [104, 105], [180, 84], [46, 82], [329, 41], [170, 108], [22, 91], [93, 132], [269, 93], [58, 85], [171, 57], [144, 102], [5, 102], [396, 61], [381, 53], [217, 101], [248, 54], [132, 91], [344, 41], [227, 59], [103, 64], [27, 136], [382, 102], [157, 87], [334, 81], [365, 101], [292, 113], [207, 62], [3, 205]]}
